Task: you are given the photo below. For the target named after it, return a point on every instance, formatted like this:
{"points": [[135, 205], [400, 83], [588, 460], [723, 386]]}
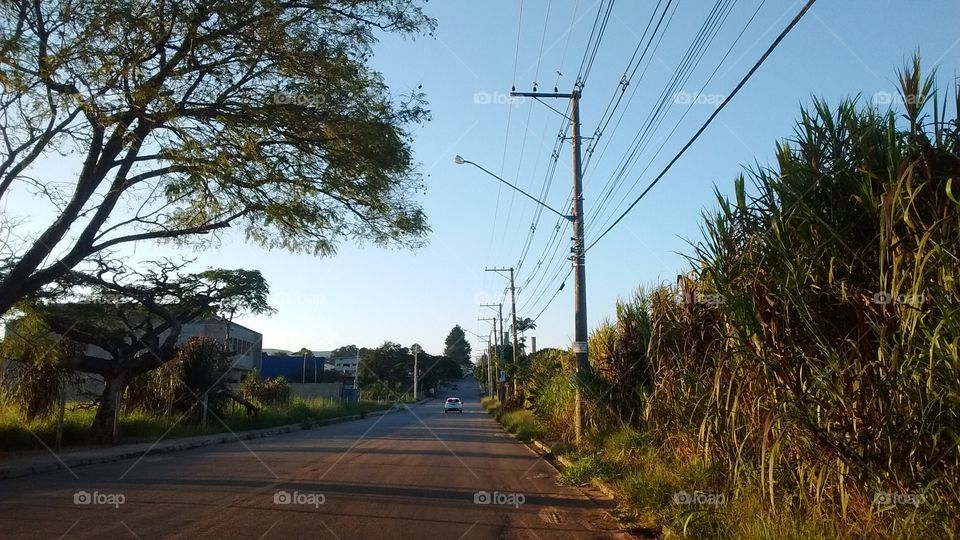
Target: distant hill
{"points": [[275, 352]]}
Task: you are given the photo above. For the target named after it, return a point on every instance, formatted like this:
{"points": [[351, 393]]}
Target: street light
{"points": [[460, 161], [581, 333]]}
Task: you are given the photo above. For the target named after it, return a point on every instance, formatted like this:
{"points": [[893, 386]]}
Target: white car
{"points": [[453, 404]]}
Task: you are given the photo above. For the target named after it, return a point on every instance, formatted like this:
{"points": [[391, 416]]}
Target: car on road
{"points": [[453, 404], [454, 387]]}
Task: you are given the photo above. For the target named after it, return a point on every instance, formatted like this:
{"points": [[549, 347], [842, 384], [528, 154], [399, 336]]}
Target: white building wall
{"points": [[245, 342]]}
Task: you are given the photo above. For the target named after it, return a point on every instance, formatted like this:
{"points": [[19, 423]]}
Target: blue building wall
{"points": [[291, 367]]}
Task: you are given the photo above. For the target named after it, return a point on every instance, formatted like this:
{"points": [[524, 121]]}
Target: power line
{"points": [[545, 190], [590, 53], [689, 107], [625, 80], [506, 137], [703, 128], [526, 127], [632, 93], [552, 298], [543, 38], [691, 59], [585, 73], [563, 57], [516, 52]]}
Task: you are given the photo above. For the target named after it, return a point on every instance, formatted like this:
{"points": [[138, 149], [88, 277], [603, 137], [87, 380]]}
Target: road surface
{"points": [[413, 474]]}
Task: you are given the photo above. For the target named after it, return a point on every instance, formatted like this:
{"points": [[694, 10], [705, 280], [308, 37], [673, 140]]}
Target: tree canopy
{"points": [[456, 346], [387, 370], [187, 118]]}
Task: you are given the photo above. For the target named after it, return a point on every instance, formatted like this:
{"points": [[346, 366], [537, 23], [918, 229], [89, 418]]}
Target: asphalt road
{"points": [[413, 474]]}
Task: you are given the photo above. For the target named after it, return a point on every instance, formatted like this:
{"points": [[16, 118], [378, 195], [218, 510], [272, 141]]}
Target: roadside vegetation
{"points": [[520, 422], [802, 378], [166, 402], [143, 426]]}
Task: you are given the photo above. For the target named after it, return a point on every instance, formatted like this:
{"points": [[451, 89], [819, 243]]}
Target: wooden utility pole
{"points": [[513, 309], [490, 376], [415, 373], [577, 251]]}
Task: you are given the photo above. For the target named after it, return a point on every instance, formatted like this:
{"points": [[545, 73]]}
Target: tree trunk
{"points": [[101, 432]]}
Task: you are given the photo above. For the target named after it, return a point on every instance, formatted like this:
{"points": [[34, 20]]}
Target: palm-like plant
{"points": [[525, 324]]}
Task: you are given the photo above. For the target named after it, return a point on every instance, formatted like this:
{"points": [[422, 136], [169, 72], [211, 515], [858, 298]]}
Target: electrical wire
{"points": [[715, 113]]}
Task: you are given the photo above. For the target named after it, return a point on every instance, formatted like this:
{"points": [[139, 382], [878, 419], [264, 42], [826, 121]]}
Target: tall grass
{"points": [[809, 361]]}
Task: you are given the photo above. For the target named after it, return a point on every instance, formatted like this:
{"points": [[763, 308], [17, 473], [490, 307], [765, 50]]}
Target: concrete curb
{"points": [[543, 447], [564, 461], [120, 453]]}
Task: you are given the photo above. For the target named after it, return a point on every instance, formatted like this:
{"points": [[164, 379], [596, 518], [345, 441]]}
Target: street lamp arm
{"points": [[460, 161]]}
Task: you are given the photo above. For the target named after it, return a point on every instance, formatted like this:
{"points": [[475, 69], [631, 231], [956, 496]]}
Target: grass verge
{"points": [[662, 495], [139, 426], [520, 422]]}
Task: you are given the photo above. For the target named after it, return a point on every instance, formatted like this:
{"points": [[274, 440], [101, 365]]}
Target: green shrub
{"points": [[270, 392], [32, 381], [520, 422], [178, 386], [587, 468]]}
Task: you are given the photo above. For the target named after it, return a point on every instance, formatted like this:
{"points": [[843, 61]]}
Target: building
{"points": [[245, 344], [302, 369], [347, 366]]}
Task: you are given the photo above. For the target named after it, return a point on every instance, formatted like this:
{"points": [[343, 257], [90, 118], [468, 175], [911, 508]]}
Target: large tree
{"points": [[388, 369], [388, 363], [191, 117], [347, 351], [135, 318], [456, 346]]}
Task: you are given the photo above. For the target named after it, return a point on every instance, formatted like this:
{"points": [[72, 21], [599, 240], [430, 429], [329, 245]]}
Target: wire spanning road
{"points": [[413, 474]]}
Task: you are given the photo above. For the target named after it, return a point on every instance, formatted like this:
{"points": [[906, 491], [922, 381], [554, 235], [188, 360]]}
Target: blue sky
{"points": [[366, 295]]}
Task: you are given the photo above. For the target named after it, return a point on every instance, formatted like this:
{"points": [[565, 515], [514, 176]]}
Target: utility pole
{"points": [[415, 373], [513, 304], [577, 251], [500, 314], [491, 366], [490, 357], [498, 339]]}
